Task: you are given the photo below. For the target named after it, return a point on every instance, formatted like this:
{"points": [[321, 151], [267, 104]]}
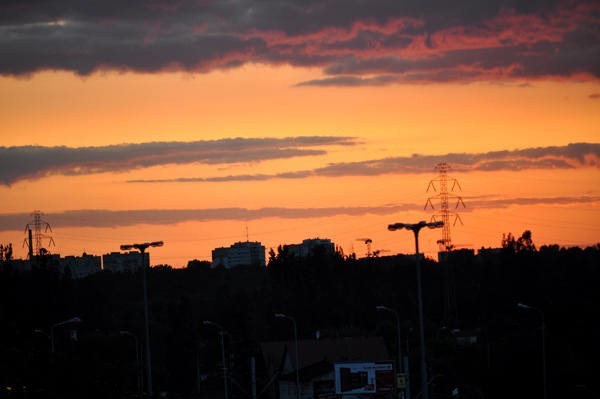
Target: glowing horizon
{"points": [[185, 122]]}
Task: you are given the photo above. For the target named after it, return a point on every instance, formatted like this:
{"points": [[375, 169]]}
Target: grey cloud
{"points": [[564, 157], [99, 218], [109, 218], [535, 38], [352, 81], [506, 202], [31, 162]]}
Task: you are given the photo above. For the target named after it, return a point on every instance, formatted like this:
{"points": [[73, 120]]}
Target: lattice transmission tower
{"points": [[36, 226], [443, 213]]}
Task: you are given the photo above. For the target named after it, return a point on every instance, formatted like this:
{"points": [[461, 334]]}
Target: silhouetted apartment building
{"points": [[76, 267], [239, 254], [128, 262], [311, 246], [80, 266]]}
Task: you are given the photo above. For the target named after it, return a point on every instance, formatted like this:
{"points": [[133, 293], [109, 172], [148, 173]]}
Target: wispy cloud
{"points": [[33, 162], [99, 218], [379, 42], [564, 157]]}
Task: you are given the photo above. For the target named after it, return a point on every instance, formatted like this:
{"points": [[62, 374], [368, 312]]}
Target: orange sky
{"points": [[107, 108]]}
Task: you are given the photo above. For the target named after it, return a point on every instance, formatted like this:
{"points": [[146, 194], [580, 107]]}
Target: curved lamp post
{"points": [[283, 316], [541, 313], [142, 248], [221, 333], [61, 323], [415, 228]]}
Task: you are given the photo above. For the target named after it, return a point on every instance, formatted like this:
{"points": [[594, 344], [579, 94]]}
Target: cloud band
{"points": [[563, 157], [32, 162], [98, 218]]}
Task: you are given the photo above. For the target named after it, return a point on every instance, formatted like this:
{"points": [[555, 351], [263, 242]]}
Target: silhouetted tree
{"points": [[196, 264], [523, 243]]}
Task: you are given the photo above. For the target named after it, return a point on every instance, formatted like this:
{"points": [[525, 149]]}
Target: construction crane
{"points": [[368, 243]]}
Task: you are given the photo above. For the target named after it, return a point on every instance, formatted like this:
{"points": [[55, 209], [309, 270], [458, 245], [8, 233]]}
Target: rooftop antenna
{"points": [[443, 213]]}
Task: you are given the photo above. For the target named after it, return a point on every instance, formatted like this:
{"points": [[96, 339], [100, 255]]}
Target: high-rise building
{"points": [[245, 253]]}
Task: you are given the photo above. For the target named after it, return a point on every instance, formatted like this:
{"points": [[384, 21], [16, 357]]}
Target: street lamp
{"points": [[221, 333], [382, 308], [541, 313], [283, 316], [38, 331], [68, 321], [138, 374], [415, 228], [142, 248]]}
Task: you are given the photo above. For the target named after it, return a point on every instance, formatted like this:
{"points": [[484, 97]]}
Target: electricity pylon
{"points": [[37, 224], [444, 213]]}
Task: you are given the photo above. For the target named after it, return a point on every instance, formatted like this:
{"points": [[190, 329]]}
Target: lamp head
{"points": [[396, 226], [435, 225]]}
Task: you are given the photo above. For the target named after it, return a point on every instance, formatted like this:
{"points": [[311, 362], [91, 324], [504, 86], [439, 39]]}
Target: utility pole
{"points": [[222, 336]]}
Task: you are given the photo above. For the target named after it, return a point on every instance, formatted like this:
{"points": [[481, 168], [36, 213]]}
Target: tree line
{"points": [[464, 296]]}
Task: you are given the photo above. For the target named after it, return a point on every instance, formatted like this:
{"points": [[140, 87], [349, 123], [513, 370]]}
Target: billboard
{"points": [[363, 377]]}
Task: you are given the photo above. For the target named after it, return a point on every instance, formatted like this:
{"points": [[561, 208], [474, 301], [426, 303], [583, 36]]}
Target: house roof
{"points": [[311, 352]]}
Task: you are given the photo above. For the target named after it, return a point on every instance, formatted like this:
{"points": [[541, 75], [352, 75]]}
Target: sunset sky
{"points": [[194, 122]]}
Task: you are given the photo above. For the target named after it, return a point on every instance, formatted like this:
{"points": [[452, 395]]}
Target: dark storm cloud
{"points": [[31, 162], [415, 41], [565, 157], [101, 218]]}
